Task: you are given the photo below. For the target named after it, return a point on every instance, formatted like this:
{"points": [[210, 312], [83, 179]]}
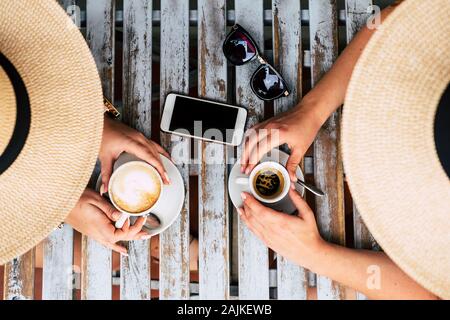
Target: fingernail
{"points": [[239, 210], [146, 237], [116, 215], [243, 196], [124, 254], [247, 171], [167, 177], [292, 186]]}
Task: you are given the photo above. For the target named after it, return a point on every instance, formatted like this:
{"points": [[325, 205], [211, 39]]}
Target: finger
{"points": [[251, 140], [252, 223], [145, 154], [142, 235], [126, 226], [293, 162], [257, 210], [137, 226], [161, 150], [264, 145], [254, 230], [304, 211], [108, 209], [118, 248], [106, 171]]}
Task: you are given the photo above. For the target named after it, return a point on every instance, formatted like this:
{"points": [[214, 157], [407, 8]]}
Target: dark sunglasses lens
{"points": [[267, 84], [238, 48]]}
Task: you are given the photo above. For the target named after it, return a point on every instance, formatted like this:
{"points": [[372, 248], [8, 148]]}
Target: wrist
{"points": [[317, 109], [316, 259], [311, 112]]}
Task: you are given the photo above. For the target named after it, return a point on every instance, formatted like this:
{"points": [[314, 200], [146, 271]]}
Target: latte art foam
{"points": [[135, 188]]}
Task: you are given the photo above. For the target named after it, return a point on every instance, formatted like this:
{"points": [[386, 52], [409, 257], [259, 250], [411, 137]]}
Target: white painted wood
{"points": [[327, 161], [214, 269], [96, 259], [57, 269], [253, 255], [287, 51], [357, 14], [57, 279], [174, 242], [137, 96], [18, 282]]}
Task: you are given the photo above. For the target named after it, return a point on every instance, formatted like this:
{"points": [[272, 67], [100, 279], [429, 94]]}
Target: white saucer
{"points": [[285, 205], [169, 206]]}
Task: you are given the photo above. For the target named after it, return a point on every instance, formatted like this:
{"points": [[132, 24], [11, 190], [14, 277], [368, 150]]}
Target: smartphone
{"points": [[203, 119]]}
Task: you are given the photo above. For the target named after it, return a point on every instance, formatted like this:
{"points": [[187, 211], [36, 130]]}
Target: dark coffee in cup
{"points": [[268, 183]]}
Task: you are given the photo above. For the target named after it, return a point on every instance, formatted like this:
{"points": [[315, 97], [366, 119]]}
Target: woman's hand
{"points": [[294, 237], [297, 128], [94, 216], [118, 138]]}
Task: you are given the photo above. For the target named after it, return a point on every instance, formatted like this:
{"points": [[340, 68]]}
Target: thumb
{"points": [[108, 209], [106, 171], [304, 211], [292, 164]]}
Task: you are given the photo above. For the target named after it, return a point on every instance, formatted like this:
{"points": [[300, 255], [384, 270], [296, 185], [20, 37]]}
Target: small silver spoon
{"points": [[153, 221], [311, 188]]}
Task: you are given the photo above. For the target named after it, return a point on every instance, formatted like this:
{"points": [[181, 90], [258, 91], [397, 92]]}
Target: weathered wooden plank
{"points": [[137, 102], [357, 14], [214, 270], [19, 277], [327, 160], [253, 255], [174, 242], [57, 269], [96, 259], [288, 57]]}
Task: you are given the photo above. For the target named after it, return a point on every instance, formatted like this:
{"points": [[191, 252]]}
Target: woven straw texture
{"points": [[44, 183], [389, 152]]}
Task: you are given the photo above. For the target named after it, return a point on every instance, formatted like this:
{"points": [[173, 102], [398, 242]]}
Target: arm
{"points": [[329, 93], [369, 272], [297, 238], [299, 126]]}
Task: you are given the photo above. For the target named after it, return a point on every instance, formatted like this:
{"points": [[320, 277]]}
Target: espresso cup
{"points": [[269, 182], [134, 188]]}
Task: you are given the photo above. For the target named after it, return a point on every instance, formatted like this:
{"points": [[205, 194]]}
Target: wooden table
{"points": [[285, 20]]}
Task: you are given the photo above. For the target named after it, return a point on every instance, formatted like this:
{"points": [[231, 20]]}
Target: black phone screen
{"points": [[203, 119]]}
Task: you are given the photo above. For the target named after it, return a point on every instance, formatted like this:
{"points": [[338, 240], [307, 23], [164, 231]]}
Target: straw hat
{"points": [[395, 148], [50, 121]]}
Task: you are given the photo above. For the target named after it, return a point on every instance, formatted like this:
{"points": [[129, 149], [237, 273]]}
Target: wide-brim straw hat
{"points": [[50, 121], [395, 147]]}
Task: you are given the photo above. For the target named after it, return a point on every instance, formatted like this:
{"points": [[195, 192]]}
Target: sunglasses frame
{"points": [[263, 62]]}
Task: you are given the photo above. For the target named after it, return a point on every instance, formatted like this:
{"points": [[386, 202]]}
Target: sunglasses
{"points": [[239, 48]]}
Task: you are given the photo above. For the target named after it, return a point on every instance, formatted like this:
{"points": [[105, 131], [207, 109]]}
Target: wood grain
{"points": [[174, 242], [96, 259], [327, 159], [287, 48], [137, 102], [356, 18], [57, 277], [57, 269], [19, 277], [253, 254], [214, 270]]}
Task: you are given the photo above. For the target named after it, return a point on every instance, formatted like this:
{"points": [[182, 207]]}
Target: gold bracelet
{"points": [[110, 109]]}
